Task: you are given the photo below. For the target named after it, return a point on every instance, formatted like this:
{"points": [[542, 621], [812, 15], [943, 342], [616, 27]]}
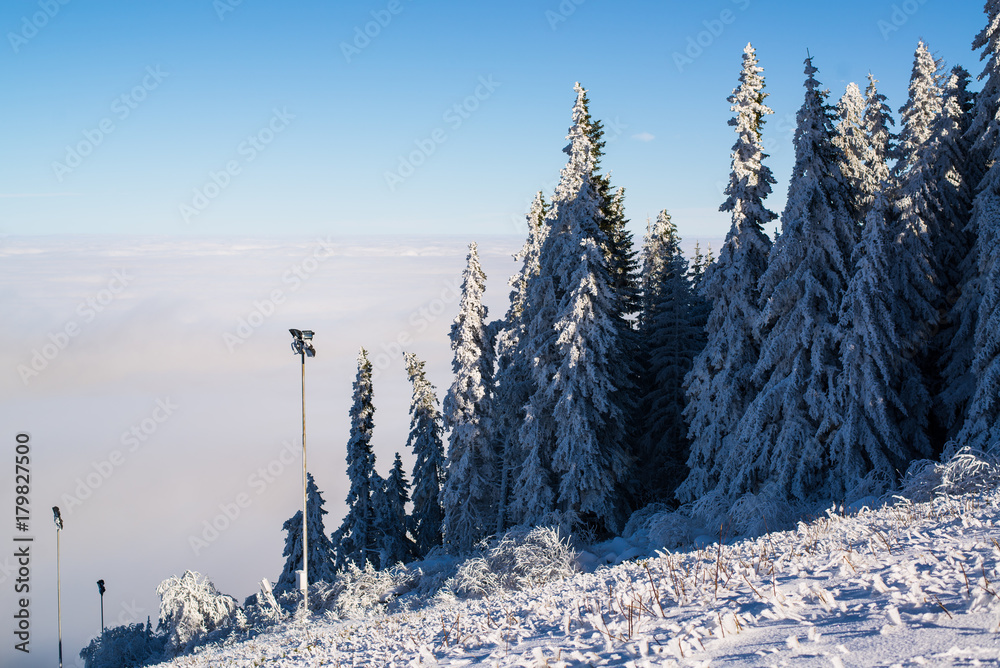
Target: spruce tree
{"points": [[356, 537], [870, 443], [321, 550], [674, 333], [425, 440], [513, 366], [881, 146], [913, 270], [785, 432], [955, 344], [720, 385], [391, 523], [981, 429], [853, 142], [571, 299], [470, 489]]}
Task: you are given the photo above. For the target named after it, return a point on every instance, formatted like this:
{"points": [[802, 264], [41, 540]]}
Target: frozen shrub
{"points": [[191, 608], [757, 514], [670, 529], [967, 472], [520, 559], [358, 593], [640, 520], [129, 646]]}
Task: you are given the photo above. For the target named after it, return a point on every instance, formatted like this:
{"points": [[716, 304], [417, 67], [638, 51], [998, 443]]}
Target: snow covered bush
{"points": [[967, 472], [191, 608], [661, 525], [520, 559], [357, 593], [129, 646]]}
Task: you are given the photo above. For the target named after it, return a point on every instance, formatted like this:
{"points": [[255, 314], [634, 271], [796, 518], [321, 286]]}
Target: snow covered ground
{"points": [[905, 585]]}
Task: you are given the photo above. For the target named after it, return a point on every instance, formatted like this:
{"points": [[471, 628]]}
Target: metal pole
{"points": [[59, 598], [305, 498], [102, 614]]}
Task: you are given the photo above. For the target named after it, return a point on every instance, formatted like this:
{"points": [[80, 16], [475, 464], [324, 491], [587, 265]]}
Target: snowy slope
{"points": [[904, 585]]}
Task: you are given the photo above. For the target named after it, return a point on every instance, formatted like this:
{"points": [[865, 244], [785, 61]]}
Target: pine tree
{"points": [[321, 563], [572, 349], [470, 490], [981, 429], [720, 385], [913, 270], [785, 432], [870, 441], [429, 469], [674, 332], [513, 367], [356, 537], [955, 254], [852, 141], [881, 145], [394, 542]]}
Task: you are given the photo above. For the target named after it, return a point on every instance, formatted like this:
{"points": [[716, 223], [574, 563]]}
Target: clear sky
{"points": [[350, 106]]}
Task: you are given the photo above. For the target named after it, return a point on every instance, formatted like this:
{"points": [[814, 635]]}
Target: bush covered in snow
{"points": [[191, 608], [129, 646], [519, 559], [966, 472]]}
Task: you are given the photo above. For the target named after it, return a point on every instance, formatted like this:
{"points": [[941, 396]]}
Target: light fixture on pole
{"points": [[302, 346], [101, 589], [57, 518]]}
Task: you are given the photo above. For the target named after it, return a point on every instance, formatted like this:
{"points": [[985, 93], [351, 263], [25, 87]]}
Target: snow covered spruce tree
{"points": [[429, 469], [720, 385], [786, 431], [881, 145], [355, 540], [513, 366], [958, 339], [391, 523], [321, 551], [981, 429], [869, 450], [913, 270], [852, 140], [470, 489], [673, 333], [571, 439]]}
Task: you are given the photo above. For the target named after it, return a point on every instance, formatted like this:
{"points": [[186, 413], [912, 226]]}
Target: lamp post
{"points": [[57, 518], [302, 346], [101, 589]]}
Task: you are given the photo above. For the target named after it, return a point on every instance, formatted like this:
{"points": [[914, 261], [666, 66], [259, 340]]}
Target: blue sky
{"points": [[226, 72]]}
